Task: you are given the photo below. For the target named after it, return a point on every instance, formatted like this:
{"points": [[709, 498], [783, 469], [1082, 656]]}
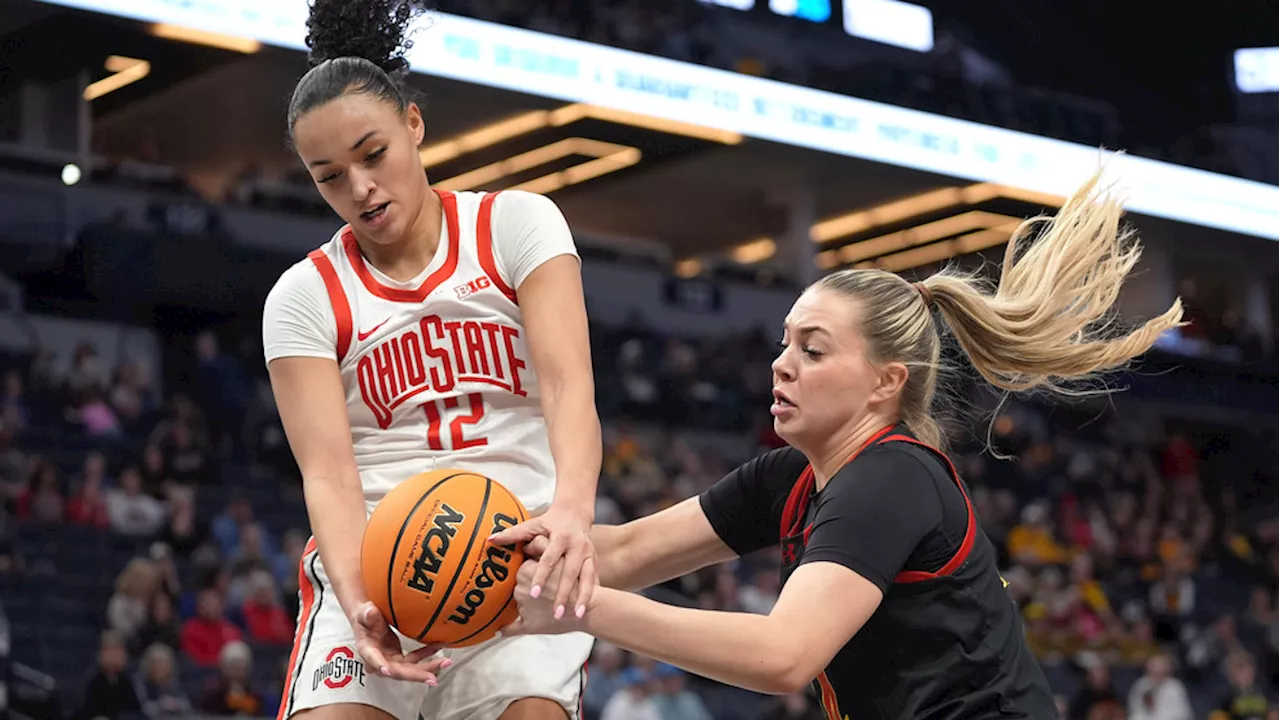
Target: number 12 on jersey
{"points": [[458, 418]]}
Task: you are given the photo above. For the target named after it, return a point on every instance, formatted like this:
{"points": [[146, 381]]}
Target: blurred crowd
{"points": [[1144, 570]]}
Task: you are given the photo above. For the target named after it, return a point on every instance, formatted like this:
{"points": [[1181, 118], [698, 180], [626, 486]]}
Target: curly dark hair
{"points": [[357, 46]]}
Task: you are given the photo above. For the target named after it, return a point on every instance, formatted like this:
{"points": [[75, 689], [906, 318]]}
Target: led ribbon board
{"points": [[530, 62]]}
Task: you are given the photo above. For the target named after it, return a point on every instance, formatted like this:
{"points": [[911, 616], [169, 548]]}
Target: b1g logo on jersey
{"points": [[340, 668], [496, 568], [435, 544], [466, 290]]}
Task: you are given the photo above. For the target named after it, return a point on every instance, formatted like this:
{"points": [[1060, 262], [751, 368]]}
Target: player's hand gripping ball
{"points": [[428, 566]]}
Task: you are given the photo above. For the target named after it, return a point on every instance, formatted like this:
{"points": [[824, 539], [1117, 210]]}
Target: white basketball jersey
{"points": [[439, 376]]}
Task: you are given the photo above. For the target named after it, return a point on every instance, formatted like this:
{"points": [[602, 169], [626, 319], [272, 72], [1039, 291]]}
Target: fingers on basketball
{"points": [[427, 565]]}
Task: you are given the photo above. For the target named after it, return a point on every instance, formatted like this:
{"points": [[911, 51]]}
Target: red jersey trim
{"points": [[830, 704], [793, 511], [449, 201], [971, 529], [337, 298], [484, 246]]}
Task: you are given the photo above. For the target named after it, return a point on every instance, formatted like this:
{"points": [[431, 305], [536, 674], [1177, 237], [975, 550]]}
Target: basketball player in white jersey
{"points": [[434, 330]]}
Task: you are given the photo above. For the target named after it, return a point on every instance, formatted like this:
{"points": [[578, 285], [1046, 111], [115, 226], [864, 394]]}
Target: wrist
{"points": [[583, 508], [596, 618]]}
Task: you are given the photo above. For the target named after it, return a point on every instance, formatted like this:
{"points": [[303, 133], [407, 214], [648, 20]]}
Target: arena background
{"points": [[712, 158]]}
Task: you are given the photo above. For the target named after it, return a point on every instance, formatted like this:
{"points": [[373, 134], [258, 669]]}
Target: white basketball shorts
{"points": [[482, 682]]}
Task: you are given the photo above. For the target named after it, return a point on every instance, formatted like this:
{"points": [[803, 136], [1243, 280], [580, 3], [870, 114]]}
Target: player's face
{"points": [[363, 156], [823, 381], [826, 384]]}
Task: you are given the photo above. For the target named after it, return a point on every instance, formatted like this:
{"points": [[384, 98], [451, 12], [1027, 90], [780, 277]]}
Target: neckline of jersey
{"points": [[437, 271]]}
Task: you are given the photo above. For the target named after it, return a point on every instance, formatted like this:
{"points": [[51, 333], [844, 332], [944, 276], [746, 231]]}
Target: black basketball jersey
{"points": [[946, 641]]}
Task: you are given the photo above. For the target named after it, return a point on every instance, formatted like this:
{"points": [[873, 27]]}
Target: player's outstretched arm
{"points": [[821, 607], [308, 393], [657, 548]]}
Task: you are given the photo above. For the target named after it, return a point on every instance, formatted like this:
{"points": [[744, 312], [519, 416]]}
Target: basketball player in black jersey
{"points": [[892, 604]]}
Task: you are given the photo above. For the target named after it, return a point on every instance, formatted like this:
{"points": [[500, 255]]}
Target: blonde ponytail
{"points": [[1049, 323], [1051, 319]]}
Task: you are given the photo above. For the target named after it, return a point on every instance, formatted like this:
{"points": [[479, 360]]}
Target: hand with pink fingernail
{"points": [[541, 612]]}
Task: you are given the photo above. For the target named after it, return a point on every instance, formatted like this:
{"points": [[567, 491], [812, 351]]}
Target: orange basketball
{"points": [[428, 566]]}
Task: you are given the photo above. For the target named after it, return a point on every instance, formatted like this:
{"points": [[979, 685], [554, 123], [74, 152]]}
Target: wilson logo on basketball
{"points": [[494, 569], [435, 545], [438, 355], [468, 289], [338, 670]]}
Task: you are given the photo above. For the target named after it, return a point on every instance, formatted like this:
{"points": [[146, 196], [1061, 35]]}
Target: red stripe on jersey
{"points": [[970, 533], [793, 511], [830, 707], [308, 593], [484, 246], [450, 204], [337, 298]]}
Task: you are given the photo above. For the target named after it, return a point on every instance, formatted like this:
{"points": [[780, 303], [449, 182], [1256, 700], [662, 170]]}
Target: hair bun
{"points": [[370, 29], [397, 67]]}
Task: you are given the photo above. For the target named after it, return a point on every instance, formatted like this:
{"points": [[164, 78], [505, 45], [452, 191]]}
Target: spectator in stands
{"points": [[604, 679], [264, 618], [1158, 695], [155, 475], [1086, 584], [11, 562], [94, 414], [1138, 645], [136, 587], [109, 693], [42, 501], [88, 504], [796, 706], [761, 593], [132, 512], [13, 406], [1097, 698], [159, 692], [1244, 700], [13, 466], [675, 701], [249, 560], [633, 699], [86, 370], [1172, 601], [285, 564], [1207, 649], [228, 525], [1032, 542], [205, 635], [183, 533], [161, 627], [1261, 622], [130, 393], [231, 692], [188, 461]]}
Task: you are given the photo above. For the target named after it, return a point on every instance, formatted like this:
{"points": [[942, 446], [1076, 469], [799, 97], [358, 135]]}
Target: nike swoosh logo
{"points": [[362, 335]]}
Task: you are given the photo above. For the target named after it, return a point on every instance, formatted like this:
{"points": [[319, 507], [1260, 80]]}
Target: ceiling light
{"points": [[204, 37], [125, 70], [528, 122], [757, 250], [609, 157]]}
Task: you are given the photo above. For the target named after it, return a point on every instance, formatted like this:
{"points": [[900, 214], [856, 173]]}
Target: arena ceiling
{"points": [[218, 112]]}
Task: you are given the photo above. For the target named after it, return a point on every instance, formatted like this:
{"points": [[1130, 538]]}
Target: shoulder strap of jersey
{"points": [[797, 502], [337, 298], [971, 525], [484, 246], [793, 511]]}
